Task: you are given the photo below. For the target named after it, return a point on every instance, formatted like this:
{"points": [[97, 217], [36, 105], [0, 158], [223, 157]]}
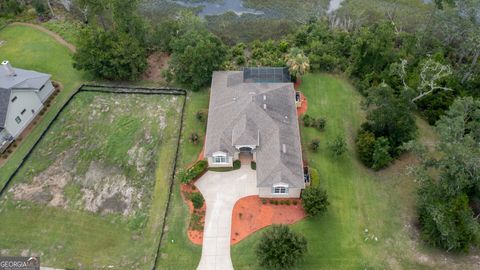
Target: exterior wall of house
{"points": [[219, 165], [46, 91], [266, 192], [26, 100]]}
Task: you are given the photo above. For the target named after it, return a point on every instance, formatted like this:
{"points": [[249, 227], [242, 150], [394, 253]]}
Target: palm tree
{"points": [[298, 64]]}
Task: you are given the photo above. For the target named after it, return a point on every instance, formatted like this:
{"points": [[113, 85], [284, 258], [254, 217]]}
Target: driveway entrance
{"points": [[221, 191]]}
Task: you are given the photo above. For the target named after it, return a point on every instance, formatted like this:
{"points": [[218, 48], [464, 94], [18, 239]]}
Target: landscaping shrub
{"points": [[193, 172], [201, 116], [365, 146], [315, 144], [314, 200], [253, 165], [194, 138], [319, 123], [280, 248], [337, 147], [264, 201], [307, 120], [197, 200], [237, 164]]}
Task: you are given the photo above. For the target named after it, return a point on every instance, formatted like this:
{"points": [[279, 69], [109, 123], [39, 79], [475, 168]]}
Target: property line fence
{"points": [[117, 89]]}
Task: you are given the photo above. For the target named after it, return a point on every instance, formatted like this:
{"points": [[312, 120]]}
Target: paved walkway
{"points": [[221, 190]]}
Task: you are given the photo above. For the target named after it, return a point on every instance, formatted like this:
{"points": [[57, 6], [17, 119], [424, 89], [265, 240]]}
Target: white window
{"points": [[18, 119], [280, 190], [219, 159]]}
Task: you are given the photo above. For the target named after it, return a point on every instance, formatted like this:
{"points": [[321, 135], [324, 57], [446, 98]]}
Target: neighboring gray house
{"points": [[22, 94], [253, 113]]}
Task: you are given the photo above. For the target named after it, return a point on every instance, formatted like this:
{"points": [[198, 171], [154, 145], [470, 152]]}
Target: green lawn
{"points": [[360, 199], [177, 252], [102, 144], [31, 49]]}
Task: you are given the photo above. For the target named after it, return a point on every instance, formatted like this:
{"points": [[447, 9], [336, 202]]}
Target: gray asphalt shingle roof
{"points": [[23, 80], [263, 114], [4, 101]]}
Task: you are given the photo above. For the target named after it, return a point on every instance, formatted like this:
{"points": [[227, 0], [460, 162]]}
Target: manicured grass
{"points": [[177, 252], [31, 49], [360, 199], [131, 137]]}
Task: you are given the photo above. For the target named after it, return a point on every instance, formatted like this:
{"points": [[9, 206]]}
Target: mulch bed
{"points": [[197, 216], [303, 108], [251, 214]]}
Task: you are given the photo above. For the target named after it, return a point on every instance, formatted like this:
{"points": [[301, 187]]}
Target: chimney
{"points": [[284, 148], [8, 68]]}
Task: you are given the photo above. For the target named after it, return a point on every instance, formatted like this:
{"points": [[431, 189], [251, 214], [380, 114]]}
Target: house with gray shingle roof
{"points": [[255, 115], [22, 95]]}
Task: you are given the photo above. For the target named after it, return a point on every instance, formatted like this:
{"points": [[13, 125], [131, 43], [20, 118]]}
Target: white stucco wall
{"points": [[267, 193], [27, 100], [46, 91], [219, 165]]}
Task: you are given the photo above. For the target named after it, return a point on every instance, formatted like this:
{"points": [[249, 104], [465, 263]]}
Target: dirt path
{"points": [[56, 36]]}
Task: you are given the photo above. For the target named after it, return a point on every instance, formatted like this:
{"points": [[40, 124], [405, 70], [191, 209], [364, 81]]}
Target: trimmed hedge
{"points": [[193, 172]]}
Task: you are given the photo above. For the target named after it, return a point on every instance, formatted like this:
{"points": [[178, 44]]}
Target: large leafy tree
{"points": [[373, 49], [390, 117], [114, 45], [196, 54], [451, 178], [280, 248], [110, 55]]}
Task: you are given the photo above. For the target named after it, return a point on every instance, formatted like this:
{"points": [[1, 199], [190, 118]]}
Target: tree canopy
{"points": [[280, 248]]}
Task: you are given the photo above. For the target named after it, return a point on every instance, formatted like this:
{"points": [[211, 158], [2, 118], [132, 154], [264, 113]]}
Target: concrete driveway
{"points": [[221, 191]]}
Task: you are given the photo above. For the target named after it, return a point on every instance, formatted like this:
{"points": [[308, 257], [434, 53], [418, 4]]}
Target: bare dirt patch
{"points": [[89, 170], [156, 63]]}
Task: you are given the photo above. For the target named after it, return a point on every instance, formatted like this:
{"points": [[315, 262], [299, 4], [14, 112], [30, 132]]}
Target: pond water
{"points": [[222, 6]]}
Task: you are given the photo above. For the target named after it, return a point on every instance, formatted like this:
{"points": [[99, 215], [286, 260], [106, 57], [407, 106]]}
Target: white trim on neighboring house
{"points": [[280, 189], [220, 158]]}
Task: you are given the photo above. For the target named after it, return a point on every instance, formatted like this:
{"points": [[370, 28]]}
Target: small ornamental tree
{"points": [[314, 200], [280, 248]]}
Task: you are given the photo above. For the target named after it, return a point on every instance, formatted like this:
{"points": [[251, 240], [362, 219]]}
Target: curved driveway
{"points": [[221, 191]]}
